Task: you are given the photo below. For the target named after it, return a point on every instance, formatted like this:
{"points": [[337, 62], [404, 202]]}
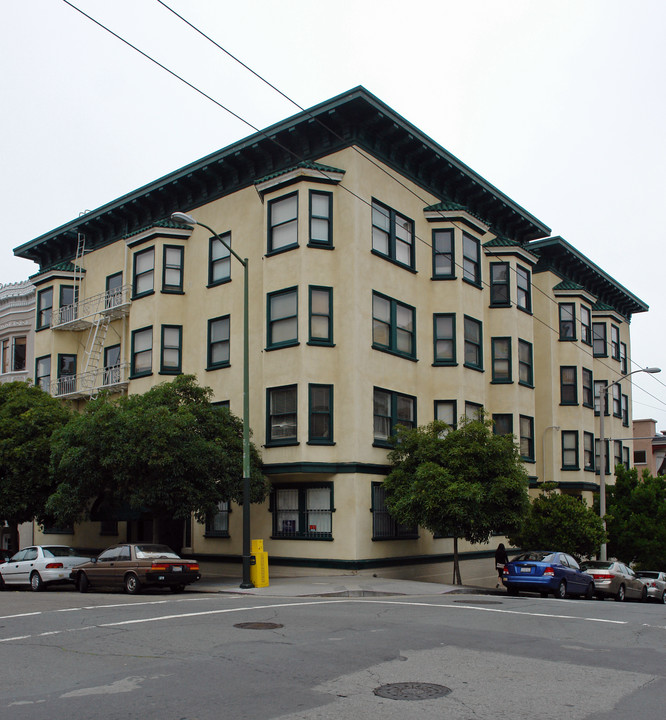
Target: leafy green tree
{"points": [[636, 518], [169, 451], [560, 522], [466, 482], [28, 418]]}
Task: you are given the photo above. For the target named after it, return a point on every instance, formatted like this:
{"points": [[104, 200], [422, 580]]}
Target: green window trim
{"points": [[526, 425], [501, 360], [393, 326], [471, 260], [321, 219], [525, 364], [67, 300], [282, 415], [473, 343], [599, 339], [43, 373], [217, 523], [623, 358], [282, 318], [144, 352], [444, 339], [393, 236], [503, 423], [568, 385], [66, 373], [320, 314], [598, 393], [302, 511], [587, 385], [615, 342], [569, 441], [446, 411], [500, 276], [219, 260], [588, 451], [143, 277], [585, 325], [384, 527], [282, 224], [320, 414], [173, 264], [443, 254], [44, 309], [171, 350], [218, 343], [523, 289], [390, 409], [567, 315]]}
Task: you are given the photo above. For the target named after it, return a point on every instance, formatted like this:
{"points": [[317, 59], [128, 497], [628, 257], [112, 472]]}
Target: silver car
{"points": [[41, 565], [615, 579], [656, 584]]}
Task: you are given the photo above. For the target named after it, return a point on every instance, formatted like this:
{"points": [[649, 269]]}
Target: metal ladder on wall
{"points": [[95, 345]]}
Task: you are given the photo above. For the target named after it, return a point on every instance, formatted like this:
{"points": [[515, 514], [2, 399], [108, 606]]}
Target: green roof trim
{"points": [[557, 255], [167, 223], [65, 266], [602, 307], [355, 118], [501, 242], [306, 164], [568, 285]]}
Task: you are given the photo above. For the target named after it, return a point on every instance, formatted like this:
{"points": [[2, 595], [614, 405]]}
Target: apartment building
{"points": [[388, 283]]}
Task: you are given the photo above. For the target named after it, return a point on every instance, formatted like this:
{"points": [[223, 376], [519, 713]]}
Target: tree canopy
{"points": [[560, 522], [636, 518], [466, 482], [28, 418], [169, 451]]}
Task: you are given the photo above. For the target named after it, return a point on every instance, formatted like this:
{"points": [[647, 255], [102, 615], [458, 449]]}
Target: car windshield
{"points": [[154, 551], [598, 564], [535, 556], [59, 551]]}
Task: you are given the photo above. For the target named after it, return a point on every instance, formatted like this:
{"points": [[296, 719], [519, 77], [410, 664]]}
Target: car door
{"points": [[101, 573], [11, 569], [633, 582], [25, 565], [579, 582]]}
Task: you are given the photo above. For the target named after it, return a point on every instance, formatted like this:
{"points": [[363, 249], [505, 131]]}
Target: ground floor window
{"points": [[217, 523], [384, 527], [303, 511]]}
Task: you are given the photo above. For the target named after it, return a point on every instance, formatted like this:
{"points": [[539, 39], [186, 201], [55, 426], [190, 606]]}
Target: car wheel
{"points": [[561, 591], [132, 584], [589, 593], [619, 597], [644, 594], [36, 582], [82, 582]]}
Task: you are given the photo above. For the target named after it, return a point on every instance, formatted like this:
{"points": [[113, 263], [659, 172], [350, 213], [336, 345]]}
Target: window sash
{"points": [[321, 315], [142, 351], [219, 260], [588, 451], [527, 437], [503, 423], [321, 205], [393, 326], [44, 308], [599, 340], [282, 414], [570, 449], [443, 262], [585, 325], [303, 512], [392, 234], [445, 410], [43, 373], [384, 527], [523, 289], [525, 363], [567, 321], [283, 318], [501, 356], [389, 410], [172, 337], [219, 341], [471, 259], [320, 414], [144, 272], [587, 388], [217, 524], [172, 279], [568, 385], [499, 284], [473, 343], [283, 223]]}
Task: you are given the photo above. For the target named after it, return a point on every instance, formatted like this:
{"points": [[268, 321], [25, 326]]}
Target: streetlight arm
{"points": [[182, 217]]}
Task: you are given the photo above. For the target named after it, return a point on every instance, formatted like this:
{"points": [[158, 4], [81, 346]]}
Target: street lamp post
{"points": [[603, 399], [189, 220]]}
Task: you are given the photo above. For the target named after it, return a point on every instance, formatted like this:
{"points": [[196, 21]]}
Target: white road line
{"points": [[20, 615]]}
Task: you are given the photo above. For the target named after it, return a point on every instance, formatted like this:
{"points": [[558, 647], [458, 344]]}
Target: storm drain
{"points": [[258, 626], [412, 691]]}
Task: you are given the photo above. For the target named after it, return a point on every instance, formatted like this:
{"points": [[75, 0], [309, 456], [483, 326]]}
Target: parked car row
{"points": [[131, 566], [558, 573]]}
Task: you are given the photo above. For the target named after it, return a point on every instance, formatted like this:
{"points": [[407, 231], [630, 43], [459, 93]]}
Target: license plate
{"points": [[524, 569], [177, 568]]}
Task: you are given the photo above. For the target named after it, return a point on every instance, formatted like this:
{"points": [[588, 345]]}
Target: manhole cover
{"points": [[412, 691], [258, 626], [479, 602]]}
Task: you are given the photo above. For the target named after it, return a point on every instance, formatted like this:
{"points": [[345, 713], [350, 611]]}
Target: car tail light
{"points": [[195, 566], [161, 567], [54, 566], [549, 571], [602, 576]]}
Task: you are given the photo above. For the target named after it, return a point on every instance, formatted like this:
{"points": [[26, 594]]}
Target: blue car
{"points": [[547, 572]]}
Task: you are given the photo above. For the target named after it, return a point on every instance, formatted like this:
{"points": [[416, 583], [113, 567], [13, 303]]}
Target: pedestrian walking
{"points": [[501, 559]]}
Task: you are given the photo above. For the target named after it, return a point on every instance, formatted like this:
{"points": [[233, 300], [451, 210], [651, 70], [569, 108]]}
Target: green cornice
{"points": [[354, 118], [568, 285], [501, 242], [558, 256], [306, 164]]}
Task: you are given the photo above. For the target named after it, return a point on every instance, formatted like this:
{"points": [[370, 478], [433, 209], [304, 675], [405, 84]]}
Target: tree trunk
{"points": [[457, 580]]}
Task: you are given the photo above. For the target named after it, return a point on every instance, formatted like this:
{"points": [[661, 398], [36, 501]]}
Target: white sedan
{"points": [[40, 565]]}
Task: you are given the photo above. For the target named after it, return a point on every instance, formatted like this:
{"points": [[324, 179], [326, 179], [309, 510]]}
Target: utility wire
{"points": [[296, 155]]}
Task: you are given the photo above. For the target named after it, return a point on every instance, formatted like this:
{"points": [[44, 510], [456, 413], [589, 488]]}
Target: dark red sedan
{"points": [[133, 566]]}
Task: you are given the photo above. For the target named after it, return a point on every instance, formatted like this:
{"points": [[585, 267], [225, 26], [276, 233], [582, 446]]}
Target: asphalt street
{"points": [[199, 656]]}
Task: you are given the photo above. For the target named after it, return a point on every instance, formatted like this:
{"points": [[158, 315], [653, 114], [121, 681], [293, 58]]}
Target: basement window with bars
{"points": [[303, 512]]}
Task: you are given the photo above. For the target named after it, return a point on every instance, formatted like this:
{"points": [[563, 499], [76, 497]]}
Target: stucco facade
{"points": [[388, 283]]}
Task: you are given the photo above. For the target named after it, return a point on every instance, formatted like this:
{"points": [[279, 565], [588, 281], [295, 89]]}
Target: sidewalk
{"points": [[330, 586]]}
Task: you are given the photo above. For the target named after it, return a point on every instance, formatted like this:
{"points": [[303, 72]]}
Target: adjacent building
{"points": [[649, 447], [389, 283]]}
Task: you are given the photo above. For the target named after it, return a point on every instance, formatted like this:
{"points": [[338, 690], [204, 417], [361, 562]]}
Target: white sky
{"points": [[560, 104]]}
